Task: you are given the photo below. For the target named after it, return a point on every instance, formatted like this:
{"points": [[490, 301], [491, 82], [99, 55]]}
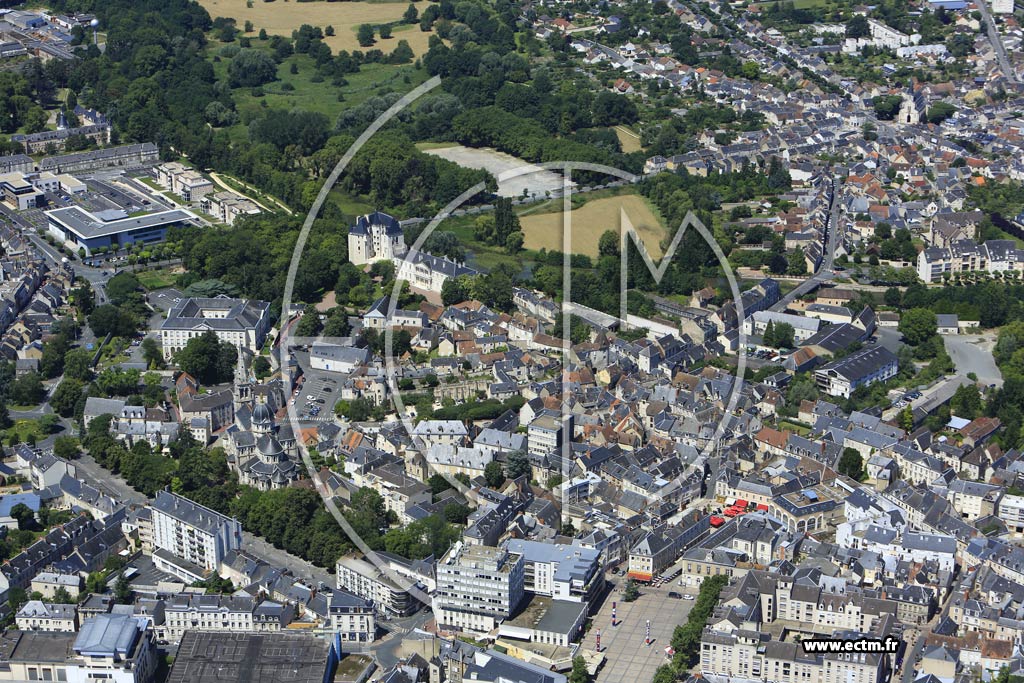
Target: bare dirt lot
{"points": [[280, 18], [544, 230]]}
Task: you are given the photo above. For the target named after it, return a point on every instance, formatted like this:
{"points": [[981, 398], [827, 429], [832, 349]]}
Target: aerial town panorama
{"points": [[512, 341]]}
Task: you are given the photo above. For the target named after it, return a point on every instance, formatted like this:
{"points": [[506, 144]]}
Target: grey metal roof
{"points": [[239, 314], [574, 562], [189, 512], [108, 635], [860, 363], [88, 225]]}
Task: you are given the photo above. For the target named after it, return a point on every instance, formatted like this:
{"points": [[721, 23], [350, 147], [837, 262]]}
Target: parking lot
{"points": [[628, 658], [317, 394]]}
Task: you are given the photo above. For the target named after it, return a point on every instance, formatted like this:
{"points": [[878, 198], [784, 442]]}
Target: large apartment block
{"points": [[389, 597], [867, 366], [242, 322], [562, 572], [222, 613], [478, 587], [751, 655], [189, 539], [967, 256]]}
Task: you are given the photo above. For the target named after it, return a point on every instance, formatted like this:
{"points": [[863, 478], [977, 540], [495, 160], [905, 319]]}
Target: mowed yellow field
{"points": [[281, 18], [544, 230], [628, 139]]}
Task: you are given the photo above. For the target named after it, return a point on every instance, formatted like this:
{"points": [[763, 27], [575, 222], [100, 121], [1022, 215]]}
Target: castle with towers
{"points": [[375, 237], [378, 237]]}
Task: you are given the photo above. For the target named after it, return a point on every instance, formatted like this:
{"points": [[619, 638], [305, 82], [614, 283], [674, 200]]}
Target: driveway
{"points": [[973, 353]]}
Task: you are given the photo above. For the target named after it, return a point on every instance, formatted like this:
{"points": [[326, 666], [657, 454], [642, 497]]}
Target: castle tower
{"points": [[375, 237]]}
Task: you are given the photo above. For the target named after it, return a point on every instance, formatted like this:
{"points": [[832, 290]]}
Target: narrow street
{"points": [[824, 273], [992, 31]]}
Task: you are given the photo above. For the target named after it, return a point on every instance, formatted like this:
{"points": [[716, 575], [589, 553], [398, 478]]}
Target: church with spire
{"points": [[263, 453]]}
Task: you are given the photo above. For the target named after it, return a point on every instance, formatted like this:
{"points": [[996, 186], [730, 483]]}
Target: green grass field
{"points": [[156, 279], [24, 430], [300, 91]]}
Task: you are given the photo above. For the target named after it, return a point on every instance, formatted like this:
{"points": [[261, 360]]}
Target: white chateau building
{"points": [[378, 237]]}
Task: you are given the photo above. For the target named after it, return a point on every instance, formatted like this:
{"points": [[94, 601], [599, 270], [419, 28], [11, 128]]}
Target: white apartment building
{"points": [[803, 327], [185, 530], [227, 206], [36, 615], [545, 433], [222, 613], [1011, 511], [563, 572], [241, 322], [183, 181], [867, 366], [966, 256], [478, 587], [750, 655], [389, 597], [353, 618]]}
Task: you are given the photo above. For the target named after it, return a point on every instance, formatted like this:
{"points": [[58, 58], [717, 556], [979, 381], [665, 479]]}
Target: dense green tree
{"points": [[851, 463], [78, 364], [857, 27], [27, 390], [52, 362], [966, 402], [208, 359], [918, 325], [25, 517], [123, 593], [110, 319], [261, 367], [438, 484], [518, 464], [579, 672], [494, 474], [887, 106], [152, 354], [66, 447], [608, 245], [796, 262], [364, 35]]}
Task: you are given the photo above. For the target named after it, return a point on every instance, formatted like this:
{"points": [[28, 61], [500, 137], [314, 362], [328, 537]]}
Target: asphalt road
{"points": [[973, 353], [997, 42], [824, 273]]}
